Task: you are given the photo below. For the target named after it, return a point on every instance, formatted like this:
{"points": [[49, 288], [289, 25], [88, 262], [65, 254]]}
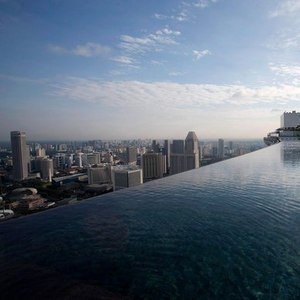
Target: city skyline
{"points": [[116, 70]]}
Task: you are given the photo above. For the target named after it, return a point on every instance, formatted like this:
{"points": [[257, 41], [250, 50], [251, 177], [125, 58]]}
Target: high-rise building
{"points": [[20, 155], [290, 119], [40, 152], [46, 168], [220, 148], [192, 151], [78, 159], [185, 155], [59, 161], [126, 176], [153, 165], [89, 159], [99, 175], [131, 155], [167, 153], [177, 147], [155, 146]]}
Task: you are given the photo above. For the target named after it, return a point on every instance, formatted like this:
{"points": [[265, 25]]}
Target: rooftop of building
{"points": [[191, 136]]}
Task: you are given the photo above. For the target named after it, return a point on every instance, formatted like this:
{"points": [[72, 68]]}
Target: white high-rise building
{"points": [[20, 155], [78, 159], [290, 119]]}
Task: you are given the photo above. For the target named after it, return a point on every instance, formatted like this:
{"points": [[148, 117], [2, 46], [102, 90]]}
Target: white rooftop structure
{"points": [[290, 119]]}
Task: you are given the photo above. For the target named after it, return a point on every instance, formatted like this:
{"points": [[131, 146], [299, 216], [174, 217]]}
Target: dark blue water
{"points": [[226, 231]]}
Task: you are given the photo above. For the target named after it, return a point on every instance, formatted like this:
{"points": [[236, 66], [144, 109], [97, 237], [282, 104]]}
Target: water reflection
{"points": [[290, 152], [226, 231]]}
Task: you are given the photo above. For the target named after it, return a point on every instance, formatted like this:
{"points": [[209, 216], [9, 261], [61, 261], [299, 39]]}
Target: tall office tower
{"points": [[69, 160], [99, 175], [221, 148], [20, 155], [192, 151], [78, 159], [59, 161], [153, 165], [167, 153], [177, 147], [230, 145], [290, 119], [46, 168], [177, 157], [155, 147], [185, 155], [131, 155], [126, 176]]}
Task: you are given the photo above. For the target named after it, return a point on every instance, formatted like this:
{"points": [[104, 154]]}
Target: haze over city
{"points": [[147, 69]]}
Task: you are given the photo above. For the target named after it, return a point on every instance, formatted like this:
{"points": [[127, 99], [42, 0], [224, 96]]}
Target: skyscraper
{"points": [[192, 151], [153, 165], [167, 153], [126, 176], [221, 148], [131, 155], [185, 154], [20, 155]]}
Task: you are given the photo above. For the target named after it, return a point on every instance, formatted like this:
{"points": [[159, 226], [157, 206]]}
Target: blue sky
{"points": [[113, 69]]}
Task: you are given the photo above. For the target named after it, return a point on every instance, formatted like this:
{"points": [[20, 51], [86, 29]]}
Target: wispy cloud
{"points": [[180, 16], [199, 54], [126, 60], [176, 73], [285, 70], [203, 3], [285, 8], [86, 50], [185, 10], [168, 94], [284, 39], [153, 41]]}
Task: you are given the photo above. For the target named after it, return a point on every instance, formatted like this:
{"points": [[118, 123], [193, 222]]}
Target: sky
{"points": [[116, 69]]}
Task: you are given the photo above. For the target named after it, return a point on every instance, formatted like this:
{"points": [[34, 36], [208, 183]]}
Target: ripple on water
{"points": [[225, 231]]}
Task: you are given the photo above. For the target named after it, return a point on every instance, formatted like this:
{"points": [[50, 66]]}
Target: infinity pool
{"points": [[230, 230]]}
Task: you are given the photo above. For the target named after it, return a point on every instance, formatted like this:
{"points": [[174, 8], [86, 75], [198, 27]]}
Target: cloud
{"points": [[86, 50], [126, 60], [161, 16], [185, 10], [285, 8], [156, 62], [180, 16], [285, 70], [201, 53], [153, 41], [203, 3], [176, 73], [285, 39], [126, 94]]}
